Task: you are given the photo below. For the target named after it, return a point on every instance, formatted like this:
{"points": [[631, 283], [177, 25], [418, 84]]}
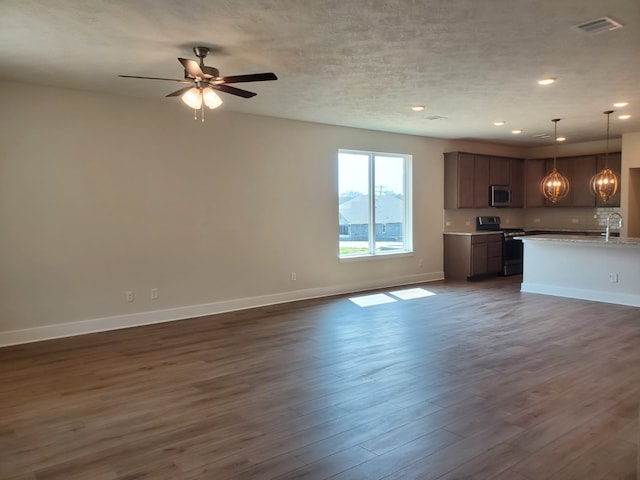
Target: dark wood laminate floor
{"points": [[476, 382]]}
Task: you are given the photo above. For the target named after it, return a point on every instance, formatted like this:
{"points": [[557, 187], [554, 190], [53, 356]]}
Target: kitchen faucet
{"points": [[612, 214]]}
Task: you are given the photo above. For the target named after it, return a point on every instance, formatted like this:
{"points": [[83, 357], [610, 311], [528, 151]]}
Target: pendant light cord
{"points": [[606, 149], [555, 140]]}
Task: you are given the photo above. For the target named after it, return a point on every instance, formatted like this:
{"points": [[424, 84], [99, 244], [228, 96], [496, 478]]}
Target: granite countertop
{"points": [[540, 231], [582, 239], [562, 231]]}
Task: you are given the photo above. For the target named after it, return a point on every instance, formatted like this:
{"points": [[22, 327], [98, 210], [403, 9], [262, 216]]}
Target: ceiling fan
{"points": [[202, 80]]}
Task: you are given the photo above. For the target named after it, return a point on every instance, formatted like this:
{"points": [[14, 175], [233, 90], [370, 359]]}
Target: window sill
{"points": [[377, 256]]}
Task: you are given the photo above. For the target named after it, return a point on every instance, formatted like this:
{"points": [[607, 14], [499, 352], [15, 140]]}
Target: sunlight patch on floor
{"points": [[373, 299], [411, 293], [382, 298]]}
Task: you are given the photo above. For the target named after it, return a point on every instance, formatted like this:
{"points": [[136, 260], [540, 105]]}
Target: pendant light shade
{"points": [[605, 183], [554, 186]]}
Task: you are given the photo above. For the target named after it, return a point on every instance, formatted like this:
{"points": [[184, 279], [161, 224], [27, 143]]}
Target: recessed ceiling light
{"points": [[546, 81], [516, 132], [624, 117], [499, 123], [417, 108], [620, 104], [561, 139]]}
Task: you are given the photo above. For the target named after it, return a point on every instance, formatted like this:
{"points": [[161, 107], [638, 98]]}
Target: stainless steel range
{"points": [[512, 251]]}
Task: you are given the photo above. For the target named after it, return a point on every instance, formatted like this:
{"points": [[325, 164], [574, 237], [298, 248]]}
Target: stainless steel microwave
{"points": [[499, 196]]}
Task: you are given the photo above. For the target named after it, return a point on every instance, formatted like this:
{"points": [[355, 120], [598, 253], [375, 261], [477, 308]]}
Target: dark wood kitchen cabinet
{"points": [[468, 256], [516, 182], [467, 178], [584, 168], [500, 171], [534, 172], [579, 170]]}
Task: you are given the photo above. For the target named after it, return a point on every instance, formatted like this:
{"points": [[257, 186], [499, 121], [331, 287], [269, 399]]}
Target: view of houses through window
{"points": [[374, 203]]}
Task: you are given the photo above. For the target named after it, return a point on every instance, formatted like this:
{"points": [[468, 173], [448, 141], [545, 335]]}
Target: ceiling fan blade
{"points": [[210, 72], [192, 68], [254, 77], [156, 78], [177, 93], [234, 91]]}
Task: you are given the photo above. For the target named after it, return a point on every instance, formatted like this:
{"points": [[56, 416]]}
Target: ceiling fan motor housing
{"points": [[201, 52]]}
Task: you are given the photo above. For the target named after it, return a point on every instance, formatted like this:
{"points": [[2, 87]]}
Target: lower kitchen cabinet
{"points": [[469, 255]]}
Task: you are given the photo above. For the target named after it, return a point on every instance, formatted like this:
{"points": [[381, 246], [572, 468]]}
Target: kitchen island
{"points": [[589, 268]]}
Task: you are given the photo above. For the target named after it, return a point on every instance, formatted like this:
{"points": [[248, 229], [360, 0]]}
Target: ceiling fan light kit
{"points": [[203, 81]]}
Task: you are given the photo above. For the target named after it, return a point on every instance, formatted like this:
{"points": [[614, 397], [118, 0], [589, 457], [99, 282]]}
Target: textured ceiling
{"points": [[360, 63]]}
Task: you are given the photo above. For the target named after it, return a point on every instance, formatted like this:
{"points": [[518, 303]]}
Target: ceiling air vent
{"points": [[598, 25], [436, 117]]}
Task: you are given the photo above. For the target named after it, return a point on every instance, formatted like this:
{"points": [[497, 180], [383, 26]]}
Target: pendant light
{"points": [[554, 186], [605, 183]]}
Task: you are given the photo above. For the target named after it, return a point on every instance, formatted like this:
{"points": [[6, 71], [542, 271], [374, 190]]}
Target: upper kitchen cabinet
{"points": [[615, 164], [467, 178], [499, 171], [584, 168], [458, 180], [534, 172], [516, 182], [481, 176], [579, 171]]}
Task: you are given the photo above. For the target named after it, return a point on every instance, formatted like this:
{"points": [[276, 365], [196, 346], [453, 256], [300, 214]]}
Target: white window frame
{"points": [[407, 219]]}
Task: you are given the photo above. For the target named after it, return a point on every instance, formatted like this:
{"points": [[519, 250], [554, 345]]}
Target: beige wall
{"points": [[630, 196], [101, 194], [584, 148]]}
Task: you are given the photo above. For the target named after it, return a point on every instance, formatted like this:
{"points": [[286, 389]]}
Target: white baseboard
{"points": [[629, 299], [48, 332]]}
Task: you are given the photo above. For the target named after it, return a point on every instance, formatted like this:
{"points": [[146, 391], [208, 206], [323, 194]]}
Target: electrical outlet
{"points": [[613, 278], [129, 295], [575, 220], [154, 293], [293, 276], [536, 220], [420, 263]]}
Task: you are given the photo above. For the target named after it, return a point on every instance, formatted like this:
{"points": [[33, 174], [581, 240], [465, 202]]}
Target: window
{"points": [[374, 204]]}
